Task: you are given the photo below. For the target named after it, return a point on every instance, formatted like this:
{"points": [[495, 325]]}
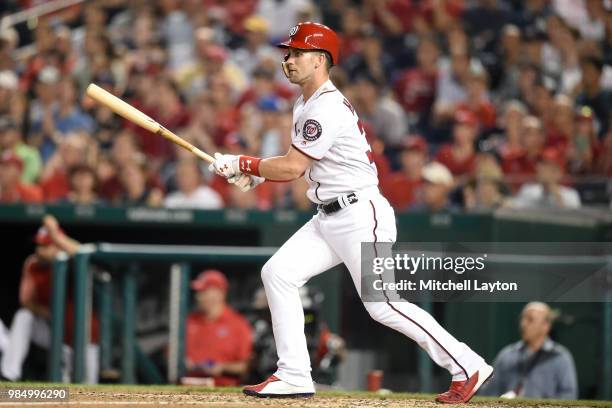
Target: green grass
{"points": [[181, 389]]}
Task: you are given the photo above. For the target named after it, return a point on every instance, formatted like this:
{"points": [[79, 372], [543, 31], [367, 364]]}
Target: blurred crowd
{"points": [[469, 105]]}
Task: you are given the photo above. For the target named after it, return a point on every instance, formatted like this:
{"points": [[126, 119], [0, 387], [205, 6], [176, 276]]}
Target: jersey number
{"points": [[360, 127]]}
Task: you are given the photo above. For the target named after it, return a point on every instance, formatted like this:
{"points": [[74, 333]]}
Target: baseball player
{"points": [[329, 149]]}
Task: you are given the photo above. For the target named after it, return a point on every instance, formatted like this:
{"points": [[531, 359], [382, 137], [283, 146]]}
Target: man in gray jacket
{"points": [[536, 366]]}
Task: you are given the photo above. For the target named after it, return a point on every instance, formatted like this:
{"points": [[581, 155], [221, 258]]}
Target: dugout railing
{"points": [[178, 259]]}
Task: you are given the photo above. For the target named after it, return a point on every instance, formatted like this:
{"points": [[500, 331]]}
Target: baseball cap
{"points": [[9, 35], [437, 173], [209, 278], [585, 113], [8, 80], [564, 101], [478, 71], [515, 105], [43, 236], [512, 30], [415, 142], [466, 117], [270, 104], [256, 24], [49, 75], [8, 157], [532, 122]]}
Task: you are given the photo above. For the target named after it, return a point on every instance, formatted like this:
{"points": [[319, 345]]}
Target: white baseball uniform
{"points": [[327, 129]]}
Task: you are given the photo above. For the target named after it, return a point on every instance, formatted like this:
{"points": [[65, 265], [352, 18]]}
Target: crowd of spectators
{"points": [[468, 105]]}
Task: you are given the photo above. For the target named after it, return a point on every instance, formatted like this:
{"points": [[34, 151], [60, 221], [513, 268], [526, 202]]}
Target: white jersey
{"points": [[327, 129]]}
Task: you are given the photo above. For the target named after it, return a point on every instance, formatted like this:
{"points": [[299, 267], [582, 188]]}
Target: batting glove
{"points": [[225, 165], [246, 182]]}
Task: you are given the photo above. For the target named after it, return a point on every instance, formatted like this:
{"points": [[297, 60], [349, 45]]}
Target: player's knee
{"points": [[270, 271], [23, 316], [376, 310]]}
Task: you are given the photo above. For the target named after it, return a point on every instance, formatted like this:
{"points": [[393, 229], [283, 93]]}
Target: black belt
{"points": [[338, 204]]}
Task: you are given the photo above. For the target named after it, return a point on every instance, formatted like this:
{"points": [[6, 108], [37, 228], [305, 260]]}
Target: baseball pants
{"points": [[28, 327], [324, 242]]}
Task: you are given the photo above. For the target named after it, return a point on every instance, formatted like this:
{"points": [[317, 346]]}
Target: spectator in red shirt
{"points": [[511, 145], [460, 155], [402, 188], [477, 98], [520, 165], [83, 183], [71, 151], [226, 116], [415, 88], [219, 340], [12, 190], [437, 186], [170, 112], [561, 130], [547, 191]]}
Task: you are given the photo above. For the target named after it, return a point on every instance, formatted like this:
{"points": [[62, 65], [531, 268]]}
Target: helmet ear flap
{"points": [[284, 64]]}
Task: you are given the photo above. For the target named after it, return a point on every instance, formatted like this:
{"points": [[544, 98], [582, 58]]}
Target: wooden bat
{"points": [[132, 114]]}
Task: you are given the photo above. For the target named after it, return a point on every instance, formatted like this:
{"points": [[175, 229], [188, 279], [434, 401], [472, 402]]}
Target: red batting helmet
{"points": [[313, 36]]}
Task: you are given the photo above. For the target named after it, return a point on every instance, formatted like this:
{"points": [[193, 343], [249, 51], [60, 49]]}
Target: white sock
{"points": [[3, 336]]}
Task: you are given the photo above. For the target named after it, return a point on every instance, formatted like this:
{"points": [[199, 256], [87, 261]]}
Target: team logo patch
{"points": [[312, 130], [293, 30]]}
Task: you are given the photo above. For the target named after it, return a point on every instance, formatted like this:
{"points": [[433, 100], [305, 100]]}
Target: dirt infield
{"points": [[154, 396]]}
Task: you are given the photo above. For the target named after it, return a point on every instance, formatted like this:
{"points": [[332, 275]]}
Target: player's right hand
{"points": [[225, 165], [246, 182]]}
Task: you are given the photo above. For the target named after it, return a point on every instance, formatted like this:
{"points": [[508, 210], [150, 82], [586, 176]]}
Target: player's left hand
{"points": [[245, 182], [225, 165]]}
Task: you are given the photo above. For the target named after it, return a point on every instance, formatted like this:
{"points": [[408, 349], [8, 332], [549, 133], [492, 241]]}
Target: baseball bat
{"points": [[132, 114]]}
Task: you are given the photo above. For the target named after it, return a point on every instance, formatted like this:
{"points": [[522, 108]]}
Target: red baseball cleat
{"points": [[274, 387], [463, 391]]}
